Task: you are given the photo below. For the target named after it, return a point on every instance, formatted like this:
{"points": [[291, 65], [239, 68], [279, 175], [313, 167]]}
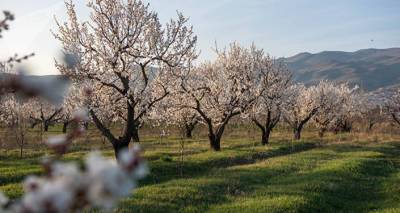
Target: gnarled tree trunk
{"points": [[119, 146], [297, 130], [135, 134], [265, 136], [297, 133], [46, 126], [123, 141], [215, 142], [266, 128], [321, 132], [65, 126], [189, 129], [298, 126], [215, 138], [370, 126], [188, 132]]}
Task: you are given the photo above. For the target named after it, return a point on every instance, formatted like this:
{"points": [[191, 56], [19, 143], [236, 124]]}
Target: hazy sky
{"points": [[281, 27]]}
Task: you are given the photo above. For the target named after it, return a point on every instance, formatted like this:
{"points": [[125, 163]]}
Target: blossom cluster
{"points": [[67, 188]]}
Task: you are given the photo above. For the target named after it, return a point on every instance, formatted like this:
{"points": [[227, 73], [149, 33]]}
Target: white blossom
{"points": [[108, 182], [54, 195], [57, 140]]}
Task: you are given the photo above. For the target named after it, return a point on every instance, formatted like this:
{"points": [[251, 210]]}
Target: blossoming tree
{"points": [[124, 50], [371, 110], [392, 106], [223, 89], [15, 114], [44, 113], [301, 104], [333, 99], [267, 110], [349, 112]]}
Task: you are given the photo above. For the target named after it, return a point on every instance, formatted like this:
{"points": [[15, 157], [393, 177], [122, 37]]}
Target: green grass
{"points": [[346, 173]]}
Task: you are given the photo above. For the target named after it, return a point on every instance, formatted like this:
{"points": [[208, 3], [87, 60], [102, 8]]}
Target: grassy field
{"points": [[343, 173]]}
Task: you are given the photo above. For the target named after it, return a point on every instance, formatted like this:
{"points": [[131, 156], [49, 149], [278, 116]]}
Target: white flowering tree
{"points": [[74, 100], [15, 115], [124, 50], [170, 111], [44, 113], [392, 106], [223, 89], [300, 106], [349, 112], [267, 110], [371, 110], [189, 119], [333, 99]]}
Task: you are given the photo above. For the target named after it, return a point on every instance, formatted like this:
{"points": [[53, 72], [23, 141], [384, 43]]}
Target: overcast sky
{"points": [[281, 27]]}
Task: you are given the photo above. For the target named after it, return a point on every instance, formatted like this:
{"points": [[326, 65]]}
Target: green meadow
{"points": [[352, 172]]}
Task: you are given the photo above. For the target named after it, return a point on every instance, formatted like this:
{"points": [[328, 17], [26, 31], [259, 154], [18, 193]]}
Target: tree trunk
{"points": [[33, 125], [86, 125], [345, 126], [215, 139], [122, 141], [118, 144], [370, 126], [65, 126], [321, 133], [188, 131], [21, 143], [135, 134], [265, 136], [215, 136], [297, 133], [46, 126], [215, 142], [118, 147], [21, 150]]}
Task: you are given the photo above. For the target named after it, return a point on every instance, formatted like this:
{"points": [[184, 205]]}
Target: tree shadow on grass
{"points": [[164, 171], [349, 191], [334, 183], [339, 185], [204, 185]]}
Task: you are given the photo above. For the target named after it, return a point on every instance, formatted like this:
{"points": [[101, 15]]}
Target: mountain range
{"points": [[371, 69]]}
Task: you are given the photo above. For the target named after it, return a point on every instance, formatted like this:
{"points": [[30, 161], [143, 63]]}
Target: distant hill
{"points": [[371, 69]]}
